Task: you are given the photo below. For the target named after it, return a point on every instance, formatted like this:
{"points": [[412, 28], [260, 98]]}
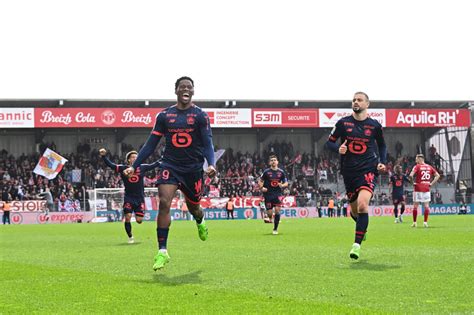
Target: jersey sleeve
{"points": [[153, 139], [146, 167], [336, 133], [206, 137], [284, 179], [118, 168]]}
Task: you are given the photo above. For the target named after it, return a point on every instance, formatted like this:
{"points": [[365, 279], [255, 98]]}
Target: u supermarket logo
{"points": [[303, 213], [16, 218], [248, 213]]}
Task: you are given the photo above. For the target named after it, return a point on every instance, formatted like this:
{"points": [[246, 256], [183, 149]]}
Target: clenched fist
{"points": [[343, 148], [102, 152]]}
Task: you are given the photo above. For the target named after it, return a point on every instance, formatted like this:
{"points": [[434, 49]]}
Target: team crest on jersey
{"points": [[190, 120], [367, 132]]}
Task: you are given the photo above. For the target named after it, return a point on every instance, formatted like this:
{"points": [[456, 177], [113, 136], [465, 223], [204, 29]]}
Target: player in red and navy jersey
{"points": [[271, 182], [397, 185], [425, 177], [363, 154], [187, 131], [134, 198]]}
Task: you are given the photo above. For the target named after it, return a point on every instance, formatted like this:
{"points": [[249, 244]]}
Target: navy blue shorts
{"points": [[397, 199], [272, 201], [190, 184], [356, 182], [137, 207]]}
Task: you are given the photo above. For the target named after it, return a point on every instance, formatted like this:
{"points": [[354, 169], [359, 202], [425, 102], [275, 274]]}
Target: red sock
{"points": [[415, 214], [427, 213]]}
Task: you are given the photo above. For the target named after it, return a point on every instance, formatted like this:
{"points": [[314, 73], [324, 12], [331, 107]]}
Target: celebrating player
{"points": [[361, 138], [134, 199], [271, 182], [397, 186], [188, 135], [421, 188]]}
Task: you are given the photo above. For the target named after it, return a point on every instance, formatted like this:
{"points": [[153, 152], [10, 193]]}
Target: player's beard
{"points": [[357, 110]]}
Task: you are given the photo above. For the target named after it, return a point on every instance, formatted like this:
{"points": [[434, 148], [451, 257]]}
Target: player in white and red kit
{"points": [[425, 177]]}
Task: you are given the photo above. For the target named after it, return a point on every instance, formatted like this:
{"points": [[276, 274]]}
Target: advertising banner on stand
{"points": [[17, 117], [230, 118], [95, 117], [328, 117], [286, 118], [426, 118]]}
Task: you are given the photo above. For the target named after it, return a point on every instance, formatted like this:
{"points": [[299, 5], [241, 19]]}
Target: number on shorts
{"points": [[165, 174]]}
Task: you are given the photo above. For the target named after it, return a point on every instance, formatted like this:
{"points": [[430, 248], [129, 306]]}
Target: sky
{"points": [[235, 50]]}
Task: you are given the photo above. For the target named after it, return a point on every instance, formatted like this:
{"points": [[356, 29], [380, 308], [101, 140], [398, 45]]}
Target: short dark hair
{"points": [[130, 153], [363, 93], [272, 156], [420, 155], [181, 79]]}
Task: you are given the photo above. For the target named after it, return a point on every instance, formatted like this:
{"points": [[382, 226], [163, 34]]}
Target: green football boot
{"points": [[355, 251], [202, 230], [161, 259]]}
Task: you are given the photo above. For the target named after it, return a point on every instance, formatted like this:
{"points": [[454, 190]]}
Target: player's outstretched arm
{"points": [[206, 138], [109, 163], [147, 167]]}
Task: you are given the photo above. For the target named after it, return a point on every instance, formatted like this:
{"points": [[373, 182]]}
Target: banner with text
{"points": [[26, 217], [328, 117], [287, 118], [17, 117], [421, 118], [95, 117], [230, 118]]}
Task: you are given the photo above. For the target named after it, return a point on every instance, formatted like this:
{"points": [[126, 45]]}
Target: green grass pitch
{"points": [[242, 268]]}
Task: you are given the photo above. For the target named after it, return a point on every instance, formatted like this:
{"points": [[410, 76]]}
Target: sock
{"points": [[427, 213], [361, 227], [415, 214], [395, 211], [276, 222], [402, 209], [199, 220], [162, 235], [128, 228], [353, 217]]}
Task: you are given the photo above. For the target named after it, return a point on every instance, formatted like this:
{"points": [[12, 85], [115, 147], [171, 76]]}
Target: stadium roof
{"points": [[70, 103]]}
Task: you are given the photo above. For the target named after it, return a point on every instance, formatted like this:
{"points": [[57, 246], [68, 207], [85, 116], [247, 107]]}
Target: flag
{"points": [[76, 176], [50, 164]]}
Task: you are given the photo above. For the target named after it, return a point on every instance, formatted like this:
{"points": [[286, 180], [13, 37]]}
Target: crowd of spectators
{"points": [[310, 176]]}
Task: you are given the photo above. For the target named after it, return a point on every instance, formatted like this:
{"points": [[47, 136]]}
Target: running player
{"points": [[134, 199], [397, 187], [363, 154], [421, 187], [271, 182], [188, 135]]}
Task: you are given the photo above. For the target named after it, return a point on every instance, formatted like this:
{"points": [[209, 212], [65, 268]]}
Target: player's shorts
{"points": [[137, 207], [357, 182], [419, 196], [272, 201], [398, 199], [190, 184]]}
